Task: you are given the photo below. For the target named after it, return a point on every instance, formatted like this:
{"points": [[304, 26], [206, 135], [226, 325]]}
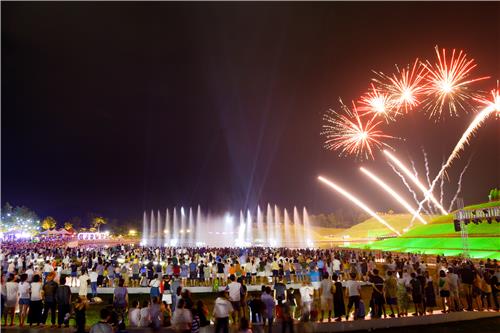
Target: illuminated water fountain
{"points": [[275, 228]]}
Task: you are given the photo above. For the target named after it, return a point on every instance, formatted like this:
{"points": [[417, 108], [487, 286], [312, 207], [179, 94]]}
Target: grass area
{"points": [[372, 228], [437, 237]]}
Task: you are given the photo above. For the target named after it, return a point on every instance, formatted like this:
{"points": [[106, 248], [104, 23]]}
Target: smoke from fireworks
{"points": [[404, 88], [446, 83], [351, 135]]}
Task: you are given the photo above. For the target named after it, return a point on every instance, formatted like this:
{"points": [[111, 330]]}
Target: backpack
{"points": [[215, 285], [361, 313]]}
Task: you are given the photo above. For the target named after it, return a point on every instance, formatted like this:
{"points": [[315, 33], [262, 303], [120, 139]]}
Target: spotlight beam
{"points": [[358, 203], [393, 193], [415, 180]]}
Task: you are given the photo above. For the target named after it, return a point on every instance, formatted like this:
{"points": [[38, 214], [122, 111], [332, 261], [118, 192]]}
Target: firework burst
{"points": [[404, 88], [446, 83], [376, 103], [351, 135]]}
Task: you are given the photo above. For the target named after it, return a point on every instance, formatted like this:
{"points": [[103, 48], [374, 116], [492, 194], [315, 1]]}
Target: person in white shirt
{"points": [[134, 314], [83, 279], [93, 282], [353, 290], [222, 310], [30, 272], [11, 288], [24, 298], [144, 320], [306, 299], [234, 289], [182, 318], [35, 310], [336, 266]]}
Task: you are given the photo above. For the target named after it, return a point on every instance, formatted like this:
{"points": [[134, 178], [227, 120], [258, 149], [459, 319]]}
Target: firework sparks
{"points": [[404, 88], [377, 103], [446, 83], [351, 135]]}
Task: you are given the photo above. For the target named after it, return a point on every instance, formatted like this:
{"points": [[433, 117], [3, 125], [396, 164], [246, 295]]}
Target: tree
{"points": [[98, 221], [49, 223], [68, 226]]}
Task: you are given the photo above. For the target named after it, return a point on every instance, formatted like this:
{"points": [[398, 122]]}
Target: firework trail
{"points": [[376, 103], [351, 136], [459, 188], [405, 182], [441, 197], [446, 83], [492, 107], [404, 88], [415, 180], [427, 175], [393, 193], [358, 203]]}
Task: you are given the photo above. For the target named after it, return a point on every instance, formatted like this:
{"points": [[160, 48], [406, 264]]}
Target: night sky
{"points": [[114, 108]]}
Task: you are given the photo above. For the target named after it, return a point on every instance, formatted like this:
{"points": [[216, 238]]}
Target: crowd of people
{"points": [[308, 285]]}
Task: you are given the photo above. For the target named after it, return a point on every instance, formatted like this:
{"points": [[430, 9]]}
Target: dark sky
{"points": [[114, 108]]}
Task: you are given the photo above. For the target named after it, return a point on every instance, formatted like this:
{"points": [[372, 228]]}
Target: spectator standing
{"points": [[391, 293], [416, 294], [155, 286], [326, 291], [12, 289], [269, 305], [36, 306], [444, 290], [84, 279], [63, 300], [353, 290], [93, 281], [120, 298], [234, 289], [430, 296], [222, 309], [24, 298], [80, 314], [49, 296], [378, 298], [306, 299], [338, 298]]}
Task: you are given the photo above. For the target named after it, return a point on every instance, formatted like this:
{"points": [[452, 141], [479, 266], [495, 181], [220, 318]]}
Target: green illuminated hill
{"points": [[439, 237]]}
